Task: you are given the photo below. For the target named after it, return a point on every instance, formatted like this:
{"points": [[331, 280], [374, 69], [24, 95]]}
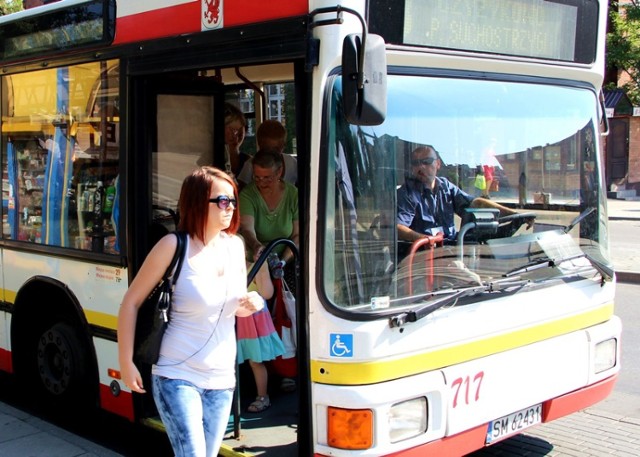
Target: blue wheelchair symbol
{"points": [[341, 344]]}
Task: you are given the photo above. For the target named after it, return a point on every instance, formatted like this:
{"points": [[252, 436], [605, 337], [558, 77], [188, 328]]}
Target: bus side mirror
{"points": [[366, 105]]}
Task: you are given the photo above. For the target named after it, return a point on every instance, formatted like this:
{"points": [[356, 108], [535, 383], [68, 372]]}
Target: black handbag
{"points": [[154, 314]]}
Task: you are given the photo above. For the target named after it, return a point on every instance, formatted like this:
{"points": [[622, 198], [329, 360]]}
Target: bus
{"points": [[437, 347]]}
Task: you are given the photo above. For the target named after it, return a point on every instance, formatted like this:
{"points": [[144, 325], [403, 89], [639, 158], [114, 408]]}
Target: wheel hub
{"points": [[54, 361]]}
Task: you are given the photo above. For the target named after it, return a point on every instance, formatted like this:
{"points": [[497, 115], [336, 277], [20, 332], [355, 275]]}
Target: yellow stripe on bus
{"points": [[108, 321], [9, 296], [354, 373]]}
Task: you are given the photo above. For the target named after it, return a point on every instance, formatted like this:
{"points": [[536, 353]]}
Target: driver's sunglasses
{"points": [[223, 201], [427, 161]]}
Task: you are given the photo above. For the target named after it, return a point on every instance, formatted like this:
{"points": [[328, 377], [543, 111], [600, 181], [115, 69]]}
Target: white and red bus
{"points": [[435, 348]]}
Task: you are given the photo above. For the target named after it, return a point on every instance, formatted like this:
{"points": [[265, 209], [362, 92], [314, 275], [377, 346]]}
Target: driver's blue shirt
{"points": [[429, 212]]}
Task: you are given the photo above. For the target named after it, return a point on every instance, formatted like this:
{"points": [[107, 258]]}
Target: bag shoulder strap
{"points": [[180, 254], [170, 274]]}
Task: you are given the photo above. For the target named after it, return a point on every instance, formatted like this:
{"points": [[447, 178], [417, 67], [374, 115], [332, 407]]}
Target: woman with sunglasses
{"points": [[269, 210], [194, 378]]}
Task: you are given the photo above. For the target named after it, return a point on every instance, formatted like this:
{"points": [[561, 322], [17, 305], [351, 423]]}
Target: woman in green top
{"points": [[268, 206], [269, 210]]}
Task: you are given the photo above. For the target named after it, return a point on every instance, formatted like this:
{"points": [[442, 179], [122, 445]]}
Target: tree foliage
{"points": [[623, 45], [10, 6]]}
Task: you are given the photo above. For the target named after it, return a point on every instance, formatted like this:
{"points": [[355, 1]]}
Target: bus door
{"points": [[178, 124]]}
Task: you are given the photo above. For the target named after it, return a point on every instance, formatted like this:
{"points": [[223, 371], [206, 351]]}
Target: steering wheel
{"points": [[508, 225]]}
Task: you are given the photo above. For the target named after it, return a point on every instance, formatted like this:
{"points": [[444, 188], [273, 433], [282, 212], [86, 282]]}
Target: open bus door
{"points": [[177, 126], [182, 117]]}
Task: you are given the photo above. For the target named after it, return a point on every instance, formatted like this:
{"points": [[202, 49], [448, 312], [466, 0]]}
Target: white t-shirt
{"points": [[290, 170], [199, 344]]}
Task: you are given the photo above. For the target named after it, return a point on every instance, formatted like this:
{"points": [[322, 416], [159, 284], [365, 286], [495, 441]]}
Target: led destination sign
{"points": [[563, 30]]}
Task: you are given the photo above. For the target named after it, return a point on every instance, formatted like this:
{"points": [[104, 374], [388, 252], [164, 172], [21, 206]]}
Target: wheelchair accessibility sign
{"points": [[341, 344]]}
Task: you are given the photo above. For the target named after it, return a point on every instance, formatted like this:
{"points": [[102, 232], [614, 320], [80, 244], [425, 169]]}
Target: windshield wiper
{"points": [[545, 262], [542, 262], [494, 286]]}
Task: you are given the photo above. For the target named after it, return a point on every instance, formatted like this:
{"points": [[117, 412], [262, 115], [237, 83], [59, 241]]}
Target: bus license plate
{"points": [[514, 423]]}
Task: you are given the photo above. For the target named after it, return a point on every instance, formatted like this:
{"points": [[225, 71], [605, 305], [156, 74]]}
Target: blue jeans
{"points": [[196, 419]]}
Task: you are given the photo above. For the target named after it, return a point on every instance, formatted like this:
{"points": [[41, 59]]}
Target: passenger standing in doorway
{"points": [[272, 136], [269, 210], [269, 205], [235, 129], [258, 341]]}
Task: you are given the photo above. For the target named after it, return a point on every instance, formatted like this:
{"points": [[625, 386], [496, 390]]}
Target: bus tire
{"points": [[61, 365]]}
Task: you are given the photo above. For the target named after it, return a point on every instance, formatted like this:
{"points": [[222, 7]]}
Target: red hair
{"points": [[193, 204]]}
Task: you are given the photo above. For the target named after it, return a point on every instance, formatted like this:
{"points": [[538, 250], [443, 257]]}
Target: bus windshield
{"points": [[532, 145]]}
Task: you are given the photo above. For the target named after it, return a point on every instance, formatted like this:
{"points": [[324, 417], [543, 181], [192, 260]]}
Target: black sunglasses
{"points": [[223, 201], [427, 161]]}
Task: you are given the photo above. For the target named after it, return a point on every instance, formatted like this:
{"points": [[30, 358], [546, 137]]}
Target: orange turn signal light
{"points": [[113, 373], [349, 428]]}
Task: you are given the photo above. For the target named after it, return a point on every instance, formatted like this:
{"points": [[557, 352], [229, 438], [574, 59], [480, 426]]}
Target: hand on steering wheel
{"points": [[512, 222]]}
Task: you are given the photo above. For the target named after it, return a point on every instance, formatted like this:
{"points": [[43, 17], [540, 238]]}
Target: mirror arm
{"points": [[339, 9]]}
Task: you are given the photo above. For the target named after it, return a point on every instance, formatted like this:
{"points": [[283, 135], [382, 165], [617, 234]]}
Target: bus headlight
{"points": [[407, 419], [605, 356]]}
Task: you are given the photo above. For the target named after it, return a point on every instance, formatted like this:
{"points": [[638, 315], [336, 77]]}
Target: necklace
{"points": [[275, 199]]}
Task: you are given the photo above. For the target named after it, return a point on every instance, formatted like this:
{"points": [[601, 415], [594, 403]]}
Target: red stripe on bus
{"points": [[5, 361], [580, 399], [121, 404], [250, 11], [164, 22], [186, 18]]}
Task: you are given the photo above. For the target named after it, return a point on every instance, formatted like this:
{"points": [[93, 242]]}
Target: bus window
{"points": [[539, 141], [279, 105], [60, 138], [185, 140]]}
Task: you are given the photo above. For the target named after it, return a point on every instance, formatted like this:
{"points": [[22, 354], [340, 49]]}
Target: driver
{"points": [[427, 203]]}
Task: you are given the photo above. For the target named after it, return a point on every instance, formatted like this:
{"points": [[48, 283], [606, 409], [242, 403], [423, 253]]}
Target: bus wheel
{"points": [[62, 364]]}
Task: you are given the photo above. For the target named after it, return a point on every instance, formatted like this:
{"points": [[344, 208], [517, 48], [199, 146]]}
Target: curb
{"points": [[623, 218], [628, 276]]}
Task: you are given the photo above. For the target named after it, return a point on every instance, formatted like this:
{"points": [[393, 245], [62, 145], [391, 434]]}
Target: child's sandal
{"points": [[259, 405]]}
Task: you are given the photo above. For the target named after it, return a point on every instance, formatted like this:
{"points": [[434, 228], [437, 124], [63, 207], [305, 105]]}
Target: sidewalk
{"points": [[625, 254], [622, 210], [22, 434]]}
